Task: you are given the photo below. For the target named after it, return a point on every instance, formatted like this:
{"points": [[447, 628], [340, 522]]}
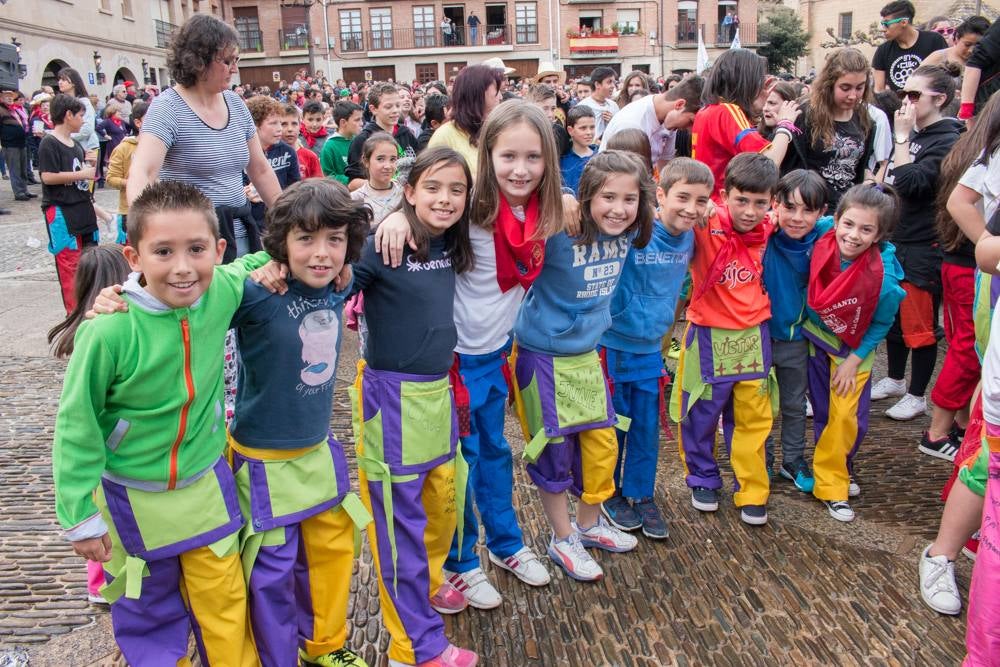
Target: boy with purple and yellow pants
{"points": [[725, 366]]}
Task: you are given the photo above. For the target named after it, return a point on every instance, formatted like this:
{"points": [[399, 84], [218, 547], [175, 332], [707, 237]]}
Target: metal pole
{"points": [[309, 39], [326, 36]]}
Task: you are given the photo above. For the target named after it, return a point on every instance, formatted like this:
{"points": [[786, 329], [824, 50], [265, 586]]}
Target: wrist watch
{"points": [[904, 140]]}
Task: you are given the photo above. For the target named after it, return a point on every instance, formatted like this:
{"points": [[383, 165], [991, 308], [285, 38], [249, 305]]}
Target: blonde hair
{"points": [[820, 120], [486, 202]]}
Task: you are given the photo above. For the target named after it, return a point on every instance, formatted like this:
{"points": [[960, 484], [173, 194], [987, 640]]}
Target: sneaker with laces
{"points": [[971, 548], [602, 535], [675, 349], [452, 656], [909, 407], [839, 510], [448, 599], [340, 658], [570, 555], [945, 448], [802, 478], [888, 388], [956, 433], [754, 515], [853, 490], [704, 499], [937, 584], [476, 588], [524, 565], [620, 514], [653, 524]]}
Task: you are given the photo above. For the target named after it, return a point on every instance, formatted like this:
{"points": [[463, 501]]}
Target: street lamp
{"points": [[17, 44], [97, 68]]}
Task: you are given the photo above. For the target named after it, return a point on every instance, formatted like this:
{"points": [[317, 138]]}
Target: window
{"points": [[590, 21], [526, 22], [351, 38], [687, 22], [127, 8], [427, 72], [248, 29], [628, 21], [423, 27], [105, 6], [293, 28], [845, 25], [381, 28]]}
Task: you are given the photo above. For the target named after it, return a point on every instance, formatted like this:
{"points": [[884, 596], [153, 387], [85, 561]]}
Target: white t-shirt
{"points": [[641, 115], [609, 105], [985, 179], [882, 149], [484, 316]]}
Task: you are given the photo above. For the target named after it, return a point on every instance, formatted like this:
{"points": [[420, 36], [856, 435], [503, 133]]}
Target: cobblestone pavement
{"points": [[802, 590]]}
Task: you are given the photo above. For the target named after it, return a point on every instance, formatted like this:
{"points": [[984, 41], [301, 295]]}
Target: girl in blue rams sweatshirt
{"points": [[642, 312], [799, 202], [561, 394]]}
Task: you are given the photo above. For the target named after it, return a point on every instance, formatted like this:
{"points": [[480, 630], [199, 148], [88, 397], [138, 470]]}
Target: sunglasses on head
{"points": [[912, 95], [886, 24]]}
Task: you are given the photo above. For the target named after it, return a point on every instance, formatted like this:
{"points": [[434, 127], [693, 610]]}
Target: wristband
{"points": [[784, 131], [790, 126], [966, 110]]}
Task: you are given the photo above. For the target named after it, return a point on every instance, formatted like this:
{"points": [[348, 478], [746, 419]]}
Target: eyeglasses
{"points": [[886, 24], [229, 62], [912, 95], [945, 31]]}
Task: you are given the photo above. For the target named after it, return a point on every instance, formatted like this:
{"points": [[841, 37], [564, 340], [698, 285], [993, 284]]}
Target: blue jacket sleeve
{"points": [[885, 314]]}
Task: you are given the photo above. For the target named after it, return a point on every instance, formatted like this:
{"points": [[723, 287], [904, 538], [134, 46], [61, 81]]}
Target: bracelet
{"points": [[790, 126], [784, 131], [966, 110]]}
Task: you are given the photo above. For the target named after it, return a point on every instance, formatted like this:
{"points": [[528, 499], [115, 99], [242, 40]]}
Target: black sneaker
{"points": [[755, 515], [620, 514], [704, 500], [945, 448], [787, 472], [957, 434], [653, 524]]}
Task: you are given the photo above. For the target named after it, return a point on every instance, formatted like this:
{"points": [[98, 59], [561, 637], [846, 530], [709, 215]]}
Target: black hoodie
{"points": [[917, 182], [355, 169]]}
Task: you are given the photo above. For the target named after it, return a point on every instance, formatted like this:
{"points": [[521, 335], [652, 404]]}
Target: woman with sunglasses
{"points": [[968, 33], [923, 137], [943, 26], [200, 132]]}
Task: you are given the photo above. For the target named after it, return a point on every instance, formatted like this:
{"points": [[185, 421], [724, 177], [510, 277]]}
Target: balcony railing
{"points": [[425, 38], [251, 41], [716, 34], [593, 44], [163, 32], [293, 38]]}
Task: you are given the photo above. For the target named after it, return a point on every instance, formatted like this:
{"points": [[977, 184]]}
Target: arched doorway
{"points": [[49, 77], [125, 74]]}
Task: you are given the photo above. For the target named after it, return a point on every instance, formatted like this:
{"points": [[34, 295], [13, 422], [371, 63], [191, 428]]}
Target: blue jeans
{"points": [[639, 447], [491, 468], [473, 34]]}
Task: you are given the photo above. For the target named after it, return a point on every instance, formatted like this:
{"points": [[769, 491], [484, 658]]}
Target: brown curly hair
{"points": [[311, 205], [195, 46]]}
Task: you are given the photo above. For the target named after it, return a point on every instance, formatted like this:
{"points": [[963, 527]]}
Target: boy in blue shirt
{"points": [[799, 202], [580, 124], [642, 312]]}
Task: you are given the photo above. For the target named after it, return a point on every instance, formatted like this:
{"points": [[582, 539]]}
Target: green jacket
{"points": [[333, 158], [142, 397]]}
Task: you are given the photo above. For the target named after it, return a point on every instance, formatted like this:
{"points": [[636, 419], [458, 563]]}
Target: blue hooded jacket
{"points": [[786, 276]]}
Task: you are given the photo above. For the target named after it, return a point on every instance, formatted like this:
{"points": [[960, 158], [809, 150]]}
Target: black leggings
{"points": [[924, 359]]}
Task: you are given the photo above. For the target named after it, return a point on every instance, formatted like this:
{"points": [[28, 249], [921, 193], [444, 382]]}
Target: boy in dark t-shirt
{"points": [[904, 48], [67, 172]]}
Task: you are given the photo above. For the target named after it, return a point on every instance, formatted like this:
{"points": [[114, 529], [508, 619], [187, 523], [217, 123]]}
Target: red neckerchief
{"points": [[116, 120], [311, 137], [519, 256], [844, 300], [735, 248]]}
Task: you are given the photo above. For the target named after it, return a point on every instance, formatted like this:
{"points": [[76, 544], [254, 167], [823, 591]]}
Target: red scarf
{"points": [[116, 120], [844, 300], [735, 248], [311, 137], [519, 256]]}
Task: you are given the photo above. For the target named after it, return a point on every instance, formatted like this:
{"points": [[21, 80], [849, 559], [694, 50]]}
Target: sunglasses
{"points": [[912, 95], [945, 31], [886, 24]]}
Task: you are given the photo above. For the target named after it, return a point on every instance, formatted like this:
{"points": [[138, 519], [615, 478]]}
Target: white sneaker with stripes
{"points": [[524, 565], [476, 588]]}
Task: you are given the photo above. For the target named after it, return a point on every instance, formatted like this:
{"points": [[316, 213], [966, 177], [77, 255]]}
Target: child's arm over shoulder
{"points": [[257, 305], [367, 268], [78, 454]]}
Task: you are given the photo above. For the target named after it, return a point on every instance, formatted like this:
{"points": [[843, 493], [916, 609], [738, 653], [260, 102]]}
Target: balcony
{"points": [[293, 38], [593, 44], [716, 34], [250, 41], [424, 38], [163, 31]]}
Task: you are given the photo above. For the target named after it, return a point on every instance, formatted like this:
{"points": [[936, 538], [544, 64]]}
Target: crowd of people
{"points": [[490, 238]]}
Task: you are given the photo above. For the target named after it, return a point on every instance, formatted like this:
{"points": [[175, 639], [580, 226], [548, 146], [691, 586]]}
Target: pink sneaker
{"points": [[449, 600], [454, 657]]}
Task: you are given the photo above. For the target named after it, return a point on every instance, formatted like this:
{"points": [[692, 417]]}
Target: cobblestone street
{"points": [[803, 590]]}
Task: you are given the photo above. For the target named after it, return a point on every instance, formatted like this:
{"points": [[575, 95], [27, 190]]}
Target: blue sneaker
{"points": [[620, 514], [653, 524], [704, 499], [804, 481]]}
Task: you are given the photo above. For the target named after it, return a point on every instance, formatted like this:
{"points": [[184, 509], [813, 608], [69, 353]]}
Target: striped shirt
{"points": [[212, 160]]}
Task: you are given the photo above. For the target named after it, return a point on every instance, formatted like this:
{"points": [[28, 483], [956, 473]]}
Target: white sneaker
{"points": [[888, 388], [524, 565], [602, 535], [909, 407], [839, 510], [853, 490], [809, 408], [937, 584], [572, 557], [476, 588]]}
